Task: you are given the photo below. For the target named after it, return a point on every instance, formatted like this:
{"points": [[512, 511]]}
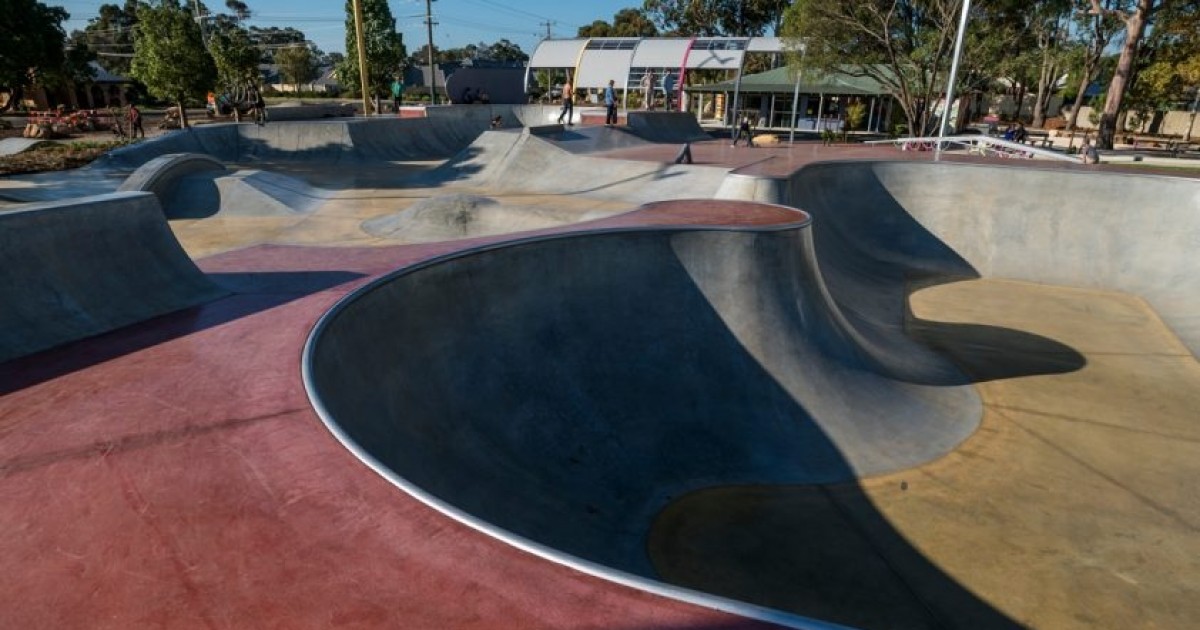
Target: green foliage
{"points": [[856, 112], [905, 45], [235, 55], [297, 64], [110, 35], [170, 58], [715, 17], [31, 38], [384, 47], [626, 23]]}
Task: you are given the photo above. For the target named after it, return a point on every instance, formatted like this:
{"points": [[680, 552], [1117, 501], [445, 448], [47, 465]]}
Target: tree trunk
{"points": [[1042, 102], [1083, 86], [183, 119], [1135, 26]]}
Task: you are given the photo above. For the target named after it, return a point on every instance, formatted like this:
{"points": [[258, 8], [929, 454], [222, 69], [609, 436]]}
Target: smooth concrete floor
{"points": [[153, 480], [1073, 506]]}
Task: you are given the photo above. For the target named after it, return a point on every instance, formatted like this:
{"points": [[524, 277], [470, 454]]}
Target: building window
{"points": [[719, 44], [612, 44]]}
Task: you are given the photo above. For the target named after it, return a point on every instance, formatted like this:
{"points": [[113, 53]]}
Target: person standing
{"points": [[568, 104], [610, 104], [135, 122], [648, 90], [668, 86], [397, 94]]}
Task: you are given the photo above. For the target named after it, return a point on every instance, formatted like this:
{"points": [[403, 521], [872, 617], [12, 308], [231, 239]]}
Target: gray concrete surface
{"points": [[1130, 233], [13, 146], [569, 407], [668, 127], [75, 269]]}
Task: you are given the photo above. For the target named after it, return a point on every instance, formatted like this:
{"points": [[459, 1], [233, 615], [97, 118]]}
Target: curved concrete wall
{"points": [[565, 390], [162, 174], [87, 266], [1130, 233]]}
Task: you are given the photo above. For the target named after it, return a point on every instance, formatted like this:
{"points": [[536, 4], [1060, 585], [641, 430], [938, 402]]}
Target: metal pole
{"points": [[432, 71], [362, 57], [958, 42], [796, 97]]}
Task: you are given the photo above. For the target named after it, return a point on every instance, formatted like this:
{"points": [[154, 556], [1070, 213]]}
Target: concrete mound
{"points": [[565, 390], [87, 266], [454, 216], [245, 193], [506, 161], [667, 127]]}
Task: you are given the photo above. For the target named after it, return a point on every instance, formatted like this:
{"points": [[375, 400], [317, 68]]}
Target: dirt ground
{"points": [[60, 154]]}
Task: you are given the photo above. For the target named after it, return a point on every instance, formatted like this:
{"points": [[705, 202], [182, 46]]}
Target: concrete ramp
{"points": [[13, 146], [245, 193], [559, 392], [1131, 233], [510, 162], [87, 266], [666, 127]]}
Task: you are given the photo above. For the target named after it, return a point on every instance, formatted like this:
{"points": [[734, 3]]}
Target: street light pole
{"points": [[362, 57], [432, 70], [958, 43]]}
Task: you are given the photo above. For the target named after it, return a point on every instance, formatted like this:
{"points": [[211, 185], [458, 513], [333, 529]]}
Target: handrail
{"points": [[980, 143]]}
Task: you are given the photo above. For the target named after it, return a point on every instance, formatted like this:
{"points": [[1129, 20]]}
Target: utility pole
{"points": [[362, 57], [432, 70], [547, 24]]}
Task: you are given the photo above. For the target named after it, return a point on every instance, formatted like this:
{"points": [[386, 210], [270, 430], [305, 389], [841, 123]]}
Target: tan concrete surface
{"points": [[1073, 505]]}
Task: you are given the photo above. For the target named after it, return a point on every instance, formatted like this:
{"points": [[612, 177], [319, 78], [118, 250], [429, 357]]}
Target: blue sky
{"points": [[460, 22]]}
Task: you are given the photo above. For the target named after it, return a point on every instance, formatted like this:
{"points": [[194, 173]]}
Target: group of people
{"points": [[1016, 133], [667, 84]]}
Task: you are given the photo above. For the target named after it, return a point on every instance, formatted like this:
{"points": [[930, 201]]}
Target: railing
{"points": [[979, 145]]}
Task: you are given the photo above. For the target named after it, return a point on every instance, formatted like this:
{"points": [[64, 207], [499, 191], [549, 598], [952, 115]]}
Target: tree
{"points": [[297, 64], [31, 38], [1095, 31], [902, 44], [626, 23], [502, 50], [272, 38], [110, 35], [1168, 68], [169, 55], [1135, 21], [384, 47], [1049, 25], [707, 18], [235, 55]]}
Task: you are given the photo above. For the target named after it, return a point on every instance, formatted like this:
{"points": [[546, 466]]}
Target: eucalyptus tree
{"points": [[905, 45], [1094, 32], [1136, 20]]}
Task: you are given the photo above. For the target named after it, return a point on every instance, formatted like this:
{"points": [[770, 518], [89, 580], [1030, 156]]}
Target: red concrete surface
{"points": [[172, 474]]}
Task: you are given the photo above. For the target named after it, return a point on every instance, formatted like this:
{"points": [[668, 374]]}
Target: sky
{"points": [[459, 22]]}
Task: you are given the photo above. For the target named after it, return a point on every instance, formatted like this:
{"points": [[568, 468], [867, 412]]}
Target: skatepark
{"points": [[422, 373]]}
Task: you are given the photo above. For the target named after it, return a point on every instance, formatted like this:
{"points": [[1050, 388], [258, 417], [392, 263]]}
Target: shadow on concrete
{"points": [[648, 408], [252, 293]]}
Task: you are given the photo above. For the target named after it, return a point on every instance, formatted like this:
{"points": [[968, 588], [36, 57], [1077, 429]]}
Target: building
{"points": [[590, 63]]}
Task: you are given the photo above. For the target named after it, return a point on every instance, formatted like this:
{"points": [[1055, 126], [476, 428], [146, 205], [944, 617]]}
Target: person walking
{"points": [[668, 86], [648, 90], [610, 104], [568, 104], [135, 122]]}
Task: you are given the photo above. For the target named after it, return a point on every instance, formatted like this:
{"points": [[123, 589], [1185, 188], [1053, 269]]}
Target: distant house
{"points": [[104, 90], [325, 83]]}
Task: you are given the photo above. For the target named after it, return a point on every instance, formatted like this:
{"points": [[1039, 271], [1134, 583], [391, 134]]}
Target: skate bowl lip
{"points": [[312, 390]]}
